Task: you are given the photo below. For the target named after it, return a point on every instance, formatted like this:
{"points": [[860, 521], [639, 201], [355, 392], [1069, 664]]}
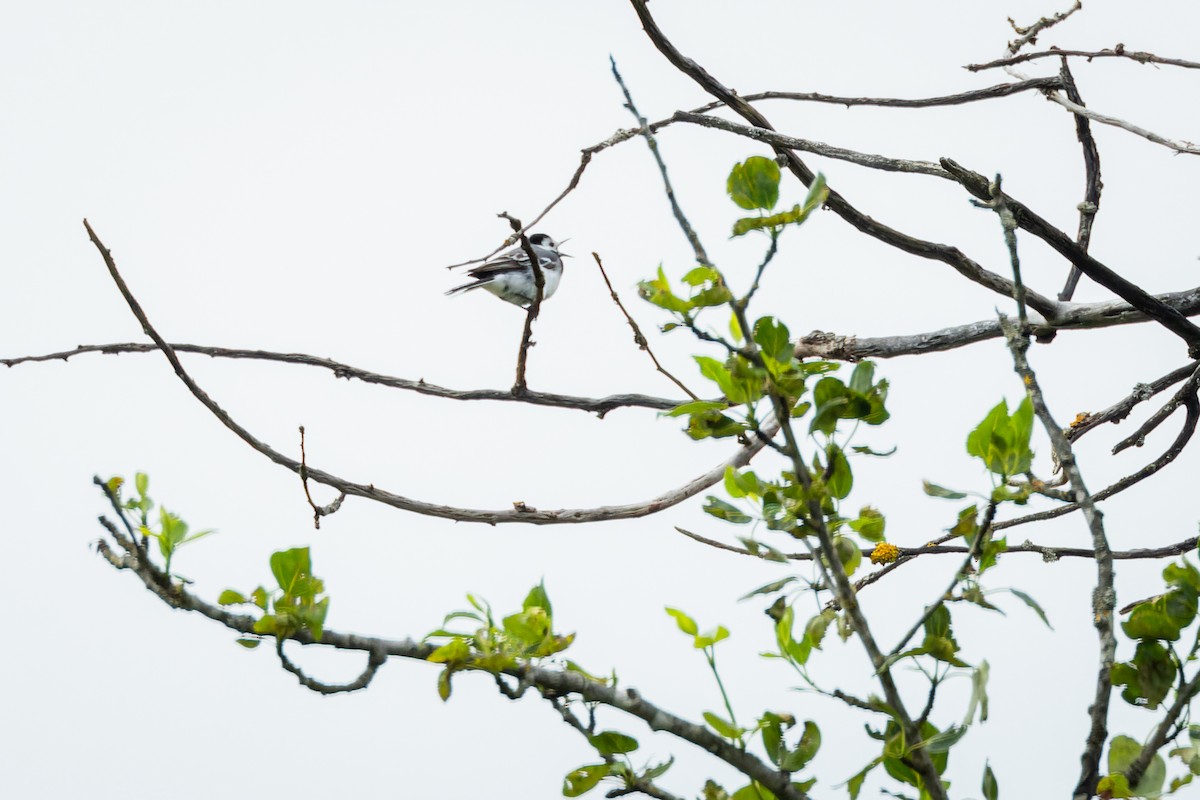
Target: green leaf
{"points": [[685, 623], [1002, 441], [1148, 677], [696, 407], [942, 742], [711, 638], [991, 789], [231, 598], [979, 696], [290, 566], [810, 743], [854, 785], [611, 743], [933, 490], [848, 553], [537, 598], [1029, 601], [770, 588], [701, 275], [841, 478], [723, 727], [584, 779], [815, 630], [754, 183], [775, 340], [869, 525], [141, 482], [1122, 751], [249, 642], [722, 510], [658, 770]]}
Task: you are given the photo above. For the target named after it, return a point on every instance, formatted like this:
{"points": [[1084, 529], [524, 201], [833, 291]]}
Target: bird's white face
{"points": [[542, 240]]}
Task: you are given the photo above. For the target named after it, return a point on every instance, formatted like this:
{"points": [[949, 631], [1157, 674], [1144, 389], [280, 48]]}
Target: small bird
{"points": [[510, 278]]}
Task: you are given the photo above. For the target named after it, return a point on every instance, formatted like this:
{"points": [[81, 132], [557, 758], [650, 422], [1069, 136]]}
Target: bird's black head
{"points": [[542, 240]]}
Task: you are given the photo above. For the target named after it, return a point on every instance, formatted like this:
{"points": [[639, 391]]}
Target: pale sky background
{"points": [[295, 176]]}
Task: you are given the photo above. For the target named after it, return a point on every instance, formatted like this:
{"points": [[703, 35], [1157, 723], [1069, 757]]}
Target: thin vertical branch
{"points": [[638, 338], [1092, 182], [539, 282], [652, 143], [1104, 597]]}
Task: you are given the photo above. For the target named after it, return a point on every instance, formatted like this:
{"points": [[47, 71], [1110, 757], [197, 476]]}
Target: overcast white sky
{"points": [[294, 176]]}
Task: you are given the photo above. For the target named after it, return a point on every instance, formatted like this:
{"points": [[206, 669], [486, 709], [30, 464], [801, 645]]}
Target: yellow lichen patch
{"points": [[884, 553]]}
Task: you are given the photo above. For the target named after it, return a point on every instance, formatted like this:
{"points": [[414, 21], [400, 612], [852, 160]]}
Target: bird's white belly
{"points": [[518, 287]]}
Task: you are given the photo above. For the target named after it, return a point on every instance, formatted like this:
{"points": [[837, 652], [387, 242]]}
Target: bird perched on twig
{"points": [[510, 277]]}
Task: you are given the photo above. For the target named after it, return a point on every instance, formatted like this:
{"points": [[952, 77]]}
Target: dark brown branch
{"points": [[989, 93], [871, 160], [1120, 410], [638, 338], [1104, 596], [1162, 732], [374, 661], [539, 283], [1133, 294], [981, 536], [595, 405], [1192, 408], [1092, 183], [318, 511], [946, 254], [1116, 52], [1138, 437], [370, 492]]}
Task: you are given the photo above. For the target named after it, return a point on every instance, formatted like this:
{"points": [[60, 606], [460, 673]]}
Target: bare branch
{"points": [[1104, 596], [1170, 318], [638, 338], [595, 405], [1118, 51], [521, 513], [539, 283], [838, 204], [1029, 34], [652, 143], [1092, 182], [374, 661], [318, 511], [989, 93], [771, 137], [1120, 410]]}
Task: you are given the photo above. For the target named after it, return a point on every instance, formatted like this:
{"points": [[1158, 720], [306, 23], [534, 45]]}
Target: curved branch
{"points": [[946, 254], [374, 661], [989, 93], [1173, 320], [550, 682], [520, 512], [595, 405]]}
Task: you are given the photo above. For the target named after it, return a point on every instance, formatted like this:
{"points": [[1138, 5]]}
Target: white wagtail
{"points": [[510, 278]]}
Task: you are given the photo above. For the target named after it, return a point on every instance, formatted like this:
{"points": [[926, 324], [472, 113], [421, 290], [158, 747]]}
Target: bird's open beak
{"points": [[560, 244]]}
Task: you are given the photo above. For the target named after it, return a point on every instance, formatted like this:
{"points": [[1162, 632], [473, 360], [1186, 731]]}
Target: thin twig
{"points": [[596, 405], [370, 492], [638, 338], [1092, 183], [684, 225], [1028, 35], [981, 535], [946, 254], [871, 160], [989, 93], [1116, 52], [1104, 596], [1119, 410], [375, 660], [1135, 295], [539, 283], [318, 511]]}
